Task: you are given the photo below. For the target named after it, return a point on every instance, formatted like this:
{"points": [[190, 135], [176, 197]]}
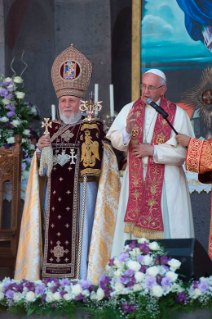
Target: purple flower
{"points": [[140, 258], [111, 262], [181, 297], [203, 286], [166, 282], [10, 294], [11, 89], [129, 272], [132, 282], [129, 308], [123, 280], [80, 297], [3, 92], [11, 108], [40, 289], [104, 281], [7, 82], [159, 279], [53, 305], [30, 286], [123, 257], [43, 298], [164, 260], [195, 284], [10, 114], [63, 292], [150, 281], [85, 284], [144, 248], [143, 268], [63, 282], [8, 97], [133, 244]]}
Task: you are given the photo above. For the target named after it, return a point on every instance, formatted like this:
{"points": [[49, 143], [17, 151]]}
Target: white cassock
{"points": [[175, 200]]}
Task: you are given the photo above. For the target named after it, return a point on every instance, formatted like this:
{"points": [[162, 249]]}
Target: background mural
{"points": [[176, 37]]}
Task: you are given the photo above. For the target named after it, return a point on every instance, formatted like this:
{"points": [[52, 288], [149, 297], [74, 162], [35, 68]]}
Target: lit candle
{"points": [[111, 101], [53, 112], [96, 92]]}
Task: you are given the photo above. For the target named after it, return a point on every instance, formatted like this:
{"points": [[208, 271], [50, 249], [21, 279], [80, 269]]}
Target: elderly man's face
{"points": [[69, 105], [151, 87]]}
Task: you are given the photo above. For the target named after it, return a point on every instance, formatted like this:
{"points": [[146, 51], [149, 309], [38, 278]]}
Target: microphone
{"points": [[159, 109]]}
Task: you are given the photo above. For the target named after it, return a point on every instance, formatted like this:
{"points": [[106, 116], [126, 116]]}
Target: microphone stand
{"points": [[170, 124]]}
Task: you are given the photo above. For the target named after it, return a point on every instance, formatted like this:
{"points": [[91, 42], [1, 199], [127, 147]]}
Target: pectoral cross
{"points": [[46, 124], [72, 156]]}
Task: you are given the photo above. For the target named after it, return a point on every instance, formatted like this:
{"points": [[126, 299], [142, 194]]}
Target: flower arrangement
{"points": [[140, 283], [15, 117]]}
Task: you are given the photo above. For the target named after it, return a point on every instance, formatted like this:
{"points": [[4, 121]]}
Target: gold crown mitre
{"points": [[71, 73]]}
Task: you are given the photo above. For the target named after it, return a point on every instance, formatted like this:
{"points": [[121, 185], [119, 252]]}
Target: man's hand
{"points": [[130, 122], [182, 139], [142, 150], [44, 141]]}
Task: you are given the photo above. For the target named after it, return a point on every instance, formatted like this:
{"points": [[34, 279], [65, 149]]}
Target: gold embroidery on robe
{"points": [[90, 151]]}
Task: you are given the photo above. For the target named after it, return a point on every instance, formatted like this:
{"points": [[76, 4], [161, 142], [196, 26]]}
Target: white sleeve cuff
{"points": [[126, 136]]}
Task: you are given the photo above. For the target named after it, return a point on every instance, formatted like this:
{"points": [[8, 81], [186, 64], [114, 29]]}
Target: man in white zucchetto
{"points": [[154, 201]]}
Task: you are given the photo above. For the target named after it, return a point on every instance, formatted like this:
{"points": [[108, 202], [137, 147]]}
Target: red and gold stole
{"points": [[143, 215]]}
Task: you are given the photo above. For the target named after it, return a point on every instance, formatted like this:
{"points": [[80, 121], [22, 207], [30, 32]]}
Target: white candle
{"points": [[96, 92], [111, 101], [53, 112]]}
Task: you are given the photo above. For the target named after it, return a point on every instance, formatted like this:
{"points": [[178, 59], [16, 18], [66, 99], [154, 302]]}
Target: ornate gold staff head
{"points": [[91, 108]]}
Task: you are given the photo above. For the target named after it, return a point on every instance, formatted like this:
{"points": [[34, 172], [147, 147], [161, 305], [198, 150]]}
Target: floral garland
{"points": [[140, 283], [15, 117]]}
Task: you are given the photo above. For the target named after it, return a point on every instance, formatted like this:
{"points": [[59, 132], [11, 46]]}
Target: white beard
{"points": [[73, 118]]}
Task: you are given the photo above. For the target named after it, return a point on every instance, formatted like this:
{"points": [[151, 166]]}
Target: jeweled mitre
{"points": [[71, 73]]}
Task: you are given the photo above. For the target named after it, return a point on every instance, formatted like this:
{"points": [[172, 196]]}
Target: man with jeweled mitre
{"points": [[75, 150]]}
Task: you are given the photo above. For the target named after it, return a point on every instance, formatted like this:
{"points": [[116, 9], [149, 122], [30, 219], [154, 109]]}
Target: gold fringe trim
{"points": [[142, 232], [93, 171], [129, 227]]}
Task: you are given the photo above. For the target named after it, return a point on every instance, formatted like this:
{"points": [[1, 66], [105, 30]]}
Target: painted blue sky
{"points": [[165, 41]]}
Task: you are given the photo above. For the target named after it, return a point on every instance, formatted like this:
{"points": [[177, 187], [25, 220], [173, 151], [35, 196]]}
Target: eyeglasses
{"points": [[149, 87]]}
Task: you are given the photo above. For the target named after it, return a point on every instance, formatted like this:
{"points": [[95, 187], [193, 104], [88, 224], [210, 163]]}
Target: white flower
{"points": [[10, 86], [26, 132], [49, 297], [119, 287], [137, 287], [20, 95], [117, 273], [1, 295], [153, 271], [17, 296], [147, 260], [100, 294], [5, 101], [16, 123], [23, 140], [156, 291], [76, 289], [197, 292], [33, 110], [31, 147], [57, 296], [135, 252], [119, 264], [4, 119], [172, 275], [17, 79], [93, 296], [67, 297], [134, 265], [139, 276], [30, 296], [174, 264], [1, 286], [143, 240], [154, 246], [10, 140], [7, 79]]}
